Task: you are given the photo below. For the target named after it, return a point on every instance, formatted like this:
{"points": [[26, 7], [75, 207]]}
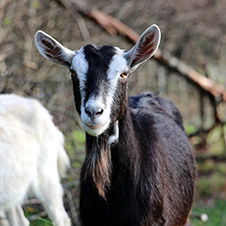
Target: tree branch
{"points": [[114, 26]]}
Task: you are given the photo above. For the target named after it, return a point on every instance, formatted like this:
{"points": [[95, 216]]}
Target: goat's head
{"points": [[100, 75]]}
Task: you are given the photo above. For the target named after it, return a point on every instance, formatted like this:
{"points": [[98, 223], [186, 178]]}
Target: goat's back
{"points": [[166, 156], [149, 102]]}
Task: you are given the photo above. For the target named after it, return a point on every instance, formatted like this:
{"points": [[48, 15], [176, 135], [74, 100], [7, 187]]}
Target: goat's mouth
{"points": [[95, 130], [92, 126]]}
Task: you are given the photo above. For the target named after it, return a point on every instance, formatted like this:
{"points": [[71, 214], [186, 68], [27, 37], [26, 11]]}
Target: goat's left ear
{"points": [[52, 49], [145, 47]]}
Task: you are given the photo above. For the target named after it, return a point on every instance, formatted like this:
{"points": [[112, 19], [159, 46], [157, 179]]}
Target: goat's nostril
{"points": [[88, 112], [100, 111], [94, 111]]}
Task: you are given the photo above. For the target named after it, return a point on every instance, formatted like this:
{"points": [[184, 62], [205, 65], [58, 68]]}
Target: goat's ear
{"points": [[52, 49], [145, 47]]}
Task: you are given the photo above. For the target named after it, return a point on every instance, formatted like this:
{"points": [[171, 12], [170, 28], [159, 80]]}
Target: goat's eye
{"points": [[124, 74]]}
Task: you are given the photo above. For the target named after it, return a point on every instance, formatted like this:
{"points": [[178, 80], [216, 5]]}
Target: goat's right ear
{"points": [[52, 49], [145, 47]]}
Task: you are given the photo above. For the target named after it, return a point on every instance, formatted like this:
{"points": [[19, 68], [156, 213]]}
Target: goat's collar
{"points": [[114, 134]]}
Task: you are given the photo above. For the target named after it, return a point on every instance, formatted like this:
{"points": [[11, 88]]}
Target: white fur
{"points": [[117, 66], [115, 135], [81, 66], [31, 154], [101, 123]]}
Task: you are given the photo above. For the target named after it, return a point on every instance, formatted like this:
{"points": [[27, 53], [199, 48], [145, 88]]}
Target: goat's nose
{"points": [[94, 112]]}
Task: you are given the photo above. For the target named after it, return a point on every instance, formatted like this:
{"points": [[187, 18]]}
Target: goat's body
{"points": [[139, 168], [151, 183], [30, 149]]}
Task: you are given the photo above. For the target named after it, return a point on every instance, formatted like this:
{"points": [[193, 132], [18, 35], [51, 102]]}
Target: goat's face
{"points": [[100, 75]]}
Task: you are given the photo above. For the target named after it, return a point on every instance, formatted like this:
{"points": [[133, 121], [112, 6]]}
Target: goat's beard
{"points": [[98, 162]]}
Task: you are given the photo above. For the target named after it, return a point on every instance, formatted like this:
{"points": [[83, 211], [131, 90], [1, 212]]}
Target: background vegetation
{"points": [[194, 31]]}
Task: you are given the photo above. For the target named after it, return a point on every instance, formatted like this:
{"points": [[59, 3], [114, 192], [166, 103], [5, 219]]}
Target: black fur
{"points": [[77, 94], [96, 83], [153, 173], [147, 178]]}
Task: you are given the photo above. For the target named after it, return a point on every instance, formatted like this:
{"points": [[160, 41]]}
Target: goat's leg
{"points": [[51, 195], [12, 217], [20, 216], [16, 217], [3, 220]]}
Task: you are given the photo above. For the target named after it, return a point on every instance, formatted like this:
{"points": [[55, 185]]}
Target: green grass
{"points": [[210, 195], [41, 222], [215, 141], [189, 128], [75, 146], [211, 180], [215, 211]]}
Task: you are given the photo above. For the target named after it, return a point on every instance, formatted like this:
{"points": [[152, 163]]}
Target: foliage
{"points": [[75, 146], [215, 140], [40, 221], [190, 128]]}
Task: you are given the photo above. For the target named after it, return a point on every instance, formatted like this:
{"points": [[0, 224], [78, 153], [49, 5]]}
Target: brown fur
{"points": [[99, 166]]}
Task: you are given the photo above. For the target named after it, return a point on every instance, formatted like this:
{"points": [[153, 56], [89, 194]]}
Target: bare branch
{"points": [[114, 26]]}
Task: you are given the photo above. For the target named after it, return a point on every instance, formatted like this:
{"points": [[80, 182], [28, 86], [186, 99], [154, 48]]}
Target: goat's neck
{"points": [[127, 148], [99, 152], [98, 162]]}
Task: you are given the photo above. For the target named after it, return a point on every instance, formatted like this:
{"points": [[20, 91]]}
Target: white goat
{"points": [[32, 156]]}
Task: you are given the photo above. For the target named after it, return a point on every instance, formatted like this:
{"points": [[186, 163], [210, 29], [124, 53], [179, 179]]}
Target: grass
{"points": [[210, 195], [215, 211], [41, 222], [211, 180]]}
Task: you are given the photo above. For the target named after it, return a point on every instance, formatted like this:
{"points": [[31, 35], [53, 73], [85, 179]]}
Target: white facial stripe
{"points": [[80, 65], [117, 66]]}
